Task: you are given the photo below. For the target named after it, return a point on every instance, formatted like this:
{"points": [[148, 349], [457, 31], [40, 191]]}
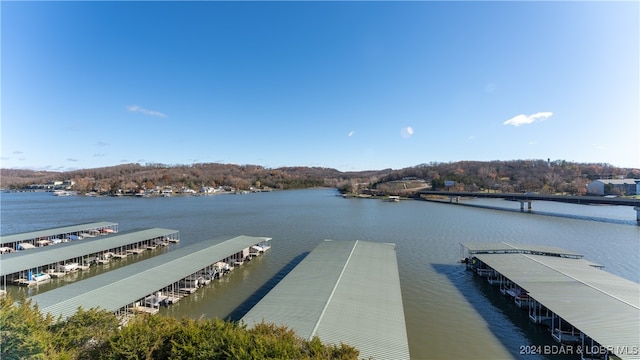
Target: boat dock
{"points": [[68, 257], [45, 237], [343, 292], [593, 311], [147, 285]]}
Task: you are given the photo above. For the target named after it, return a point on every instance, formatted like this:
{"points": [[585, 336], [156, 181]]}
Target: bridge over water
{"points": [[528, 198]]}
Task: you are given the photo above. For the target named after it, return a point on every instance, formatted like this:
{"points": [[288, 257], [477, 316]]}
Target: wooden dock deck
{"points": [[146, 309]]}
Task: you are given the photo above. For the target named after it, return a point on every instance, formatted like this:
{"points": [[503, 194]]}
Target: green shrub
{"points": [[95, 334]]}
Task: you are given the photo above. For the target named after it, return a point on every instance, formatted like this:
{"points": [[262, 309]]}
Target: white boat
{"points": [[4, 250], [68, 267], [222, 267], [44, 242], [25, 246], [136, 251], [32, 279], [40, 277], [64, 193], [156, 300]]}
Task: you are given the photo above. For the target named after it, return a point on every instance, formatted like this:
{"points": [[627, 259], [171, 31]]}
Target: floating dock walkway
{"points": [[343, 292], [594, 311], [66, 257], [146, 285], [38, 238]]}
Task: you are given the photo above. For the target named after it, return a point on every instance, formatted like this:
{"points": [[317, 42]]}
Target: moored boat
{"points": [[33, 279], [39, 277], [68, 267], [5, 249], [64, 193]]}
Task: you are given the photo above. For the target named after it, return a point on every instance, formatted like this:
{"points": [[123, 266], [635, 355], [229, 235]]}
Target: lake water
{"points": [[449, 313]]}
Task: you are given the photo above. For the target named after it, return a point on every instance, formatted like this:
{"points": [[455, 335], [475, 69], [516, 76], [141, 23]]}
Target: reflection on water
{"points": [[449, 313]]}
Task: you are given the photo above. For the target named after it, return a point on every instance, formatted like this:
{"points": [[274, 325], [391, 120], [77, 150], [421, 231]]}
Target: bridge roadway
{"points": [[529, 197]]}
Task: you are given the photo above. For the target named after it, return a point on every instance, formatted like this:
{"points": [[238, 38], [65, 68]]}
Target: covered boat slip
{"points": [[49, 236], [507, 248], [598, 306], [343, 292], [59, 258], [145, 285]]}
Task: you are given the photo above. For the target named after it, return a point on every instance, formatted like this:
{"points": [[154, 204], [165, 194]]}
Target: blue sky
{"points": [[352, 86]]}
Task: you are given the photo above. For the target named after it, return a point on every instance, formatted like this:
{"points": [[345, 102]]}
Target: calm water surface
{"points": [[449, 313]]}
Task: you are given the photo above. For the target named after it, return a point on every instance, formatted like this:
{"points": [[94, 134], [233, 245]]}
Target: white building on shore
{"points": [[614, 187]]}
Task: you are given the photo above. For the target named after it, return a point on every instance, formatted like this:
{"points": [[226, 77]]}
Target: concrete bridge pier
{"points": [[528, 205], [637, 209]]}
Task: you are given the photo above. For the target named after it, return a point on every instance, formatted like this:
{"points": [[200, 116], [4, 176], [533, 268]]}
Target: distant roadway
{"points": [[531, 196]]}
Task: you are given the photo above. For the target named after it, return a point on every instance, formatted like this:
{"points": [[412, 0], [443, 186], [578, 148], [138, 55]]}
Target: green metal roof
{"points": [[603, 306], [34, 258], [505, 247], [20, 237], [343, 292], [118, 288]]}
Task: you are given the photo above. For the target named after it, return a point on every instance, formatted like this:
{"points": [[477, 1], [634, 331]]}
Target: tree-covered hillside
{"points": [[543, 176]]}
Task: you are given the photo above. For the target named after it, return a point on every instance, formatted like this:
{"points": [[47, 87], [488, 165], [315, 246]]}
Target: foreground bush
{"points": [[94, 334]]}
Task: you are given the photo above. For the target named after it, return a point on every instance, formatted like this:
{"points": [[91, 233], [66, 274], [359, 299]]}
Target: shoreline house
{"points": [[614, 187]]}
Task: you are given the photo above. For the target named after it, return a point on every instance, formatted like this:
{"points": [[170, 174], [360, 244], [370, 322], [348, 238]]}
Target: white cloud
{"points": [[136, 108], [490, 87], [528, 119], [406, 132], [351, 133]]}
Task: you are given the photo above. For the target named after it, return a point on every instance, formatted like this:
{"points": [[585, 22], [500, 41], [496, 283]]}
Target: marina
{"points": [[442, 302], [582, 304], [56, 261], [342, 292], [147, 285], [39, 238]]}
